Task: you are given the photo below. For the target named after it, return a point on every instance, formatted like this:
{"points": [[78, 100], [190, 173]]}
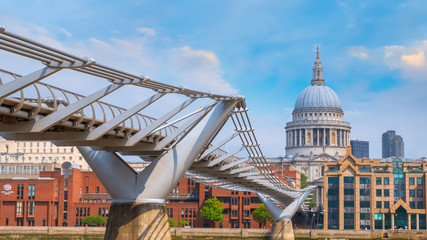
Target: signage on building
{"points": [[7, 189]]}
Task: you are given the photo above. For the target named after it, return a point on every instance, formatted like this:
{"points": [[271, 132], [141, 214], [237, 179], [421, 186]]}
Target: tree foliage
{"points": [[304, 182], [94, 221], [172, 222], [182, 223], [212, 210], [261, 214]]}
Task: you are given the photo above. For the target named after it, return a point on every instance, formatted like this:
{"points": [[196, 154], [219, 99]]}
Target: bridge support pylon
{"points": [[138, 210], [282, 226]]}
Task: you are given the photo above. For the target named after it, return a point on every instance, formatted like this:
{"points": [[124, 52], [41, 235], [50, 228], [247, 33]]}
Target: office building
{"points": [[360, 149], [393, 145], [375, 194]]}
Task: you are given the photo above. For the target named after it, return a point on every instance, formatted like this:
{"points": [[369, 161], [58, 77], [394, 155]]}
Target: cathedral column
{"points": [[295, 138], [317, 142], [339, 137], [292, 138], [300, 137], [312, 137], [324, 137], [346, 138]]}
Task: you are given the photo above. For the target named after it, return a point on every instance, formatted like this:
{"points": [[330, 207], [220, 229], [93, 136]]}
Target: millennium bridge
{"points": [[180, 141]]}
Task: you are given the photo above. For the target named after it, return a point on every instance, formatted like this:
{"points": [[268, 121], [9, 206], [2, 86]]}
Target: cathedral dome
{"points": [[318, 97]]}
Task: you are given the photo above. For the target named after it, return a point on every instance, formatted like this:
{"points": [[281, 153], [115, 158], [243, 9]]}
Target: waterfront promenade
{"points": [[206, 233]]}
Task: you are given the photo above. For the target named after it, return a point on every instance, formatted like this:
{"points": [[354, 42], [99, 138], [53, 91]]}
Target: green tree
{"points": [[212, 210], [261, 214], [304, 182], [182, 223], [172, 222], [94, 221]]}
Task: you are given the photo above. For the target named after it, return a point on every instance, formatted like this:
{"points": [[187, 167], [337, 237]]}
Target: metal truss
{"points": [[33, 110]]}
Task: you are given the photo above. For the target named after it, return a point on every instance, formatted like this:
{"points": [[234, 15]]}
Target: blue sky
{"points": [[373, 54]]}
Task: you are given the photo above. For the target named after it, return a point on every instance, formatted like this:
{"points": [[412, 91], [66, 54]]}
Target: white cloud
{"points": [[416, 60], [410, 60], [199, 68], [359, 52], [147, 31], [65, 32]]}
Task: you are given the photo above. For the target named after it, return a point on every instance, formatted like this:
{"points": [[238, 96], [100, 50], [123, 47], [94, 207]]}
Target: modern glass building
{"points": [[375, 194], [360, 149]]}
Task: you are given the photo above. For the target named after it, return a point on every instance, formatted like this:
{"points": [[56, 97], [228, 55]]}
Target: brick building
{"points": [[63, 195]]}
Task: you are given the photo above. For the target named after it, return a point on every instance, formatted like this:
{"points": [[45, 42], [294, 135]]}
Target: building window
{"points": [[65, 206], [87, 189], [379, 193], [419, 192], [246, 201], [386, 204], [7, 221], [19, 222], [97, 189], [20, 191], [234, 201], [412, 192], [182, 212], [246, 212], [386, 181], [379, 204], [234, 212], [30, 208], [333, 169], [420, 205], [386, 192], [65, 195], [19, 208], [246, 223], [65, 216], [378, 181], [411, 181], [30, 221], [77, 212], [420, 181], [412, 204], [234, 223]]}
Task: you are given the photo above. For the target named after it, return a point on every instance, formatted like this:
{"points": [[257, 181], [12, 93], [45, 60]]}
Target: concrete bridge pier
{"points": [[138, 210], [282, 227]]}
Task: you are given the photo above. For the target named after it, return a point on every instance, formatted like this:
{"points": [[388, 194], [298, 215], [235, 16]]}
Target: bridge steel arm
{"points": [[138, 198]]}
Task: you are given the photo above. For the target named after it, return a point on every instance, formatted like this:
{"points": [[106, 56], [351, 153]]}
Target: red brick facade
{"points": [[61, 198]]}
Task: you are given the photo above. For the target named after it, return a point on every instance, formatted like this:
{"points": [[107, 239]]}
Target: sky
{"points": [[372, 52]]}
